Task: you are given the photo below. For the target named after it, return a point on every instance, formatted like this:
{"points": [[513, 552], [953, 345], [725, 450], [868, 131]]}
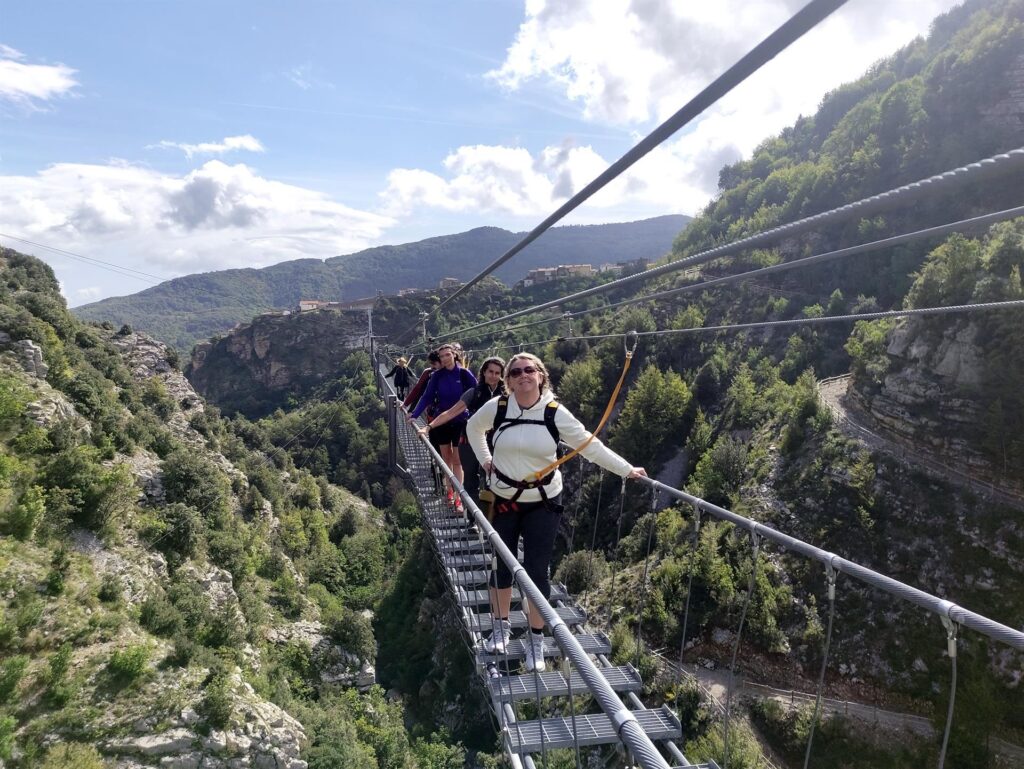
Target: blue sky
{"points": [[177, 137]]}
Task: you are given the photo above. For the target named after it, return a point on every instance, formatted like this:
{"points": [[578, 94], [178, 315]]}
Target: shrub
{"points": [[582, 570], [192, 479], [7, 728], [354, 633], [155, 395], [11, 672], [111, 590], [185, 533], [125, 330], [60, 564], [217, 705], [72, 755], [26, 515], [57, 692], [160, 616], [128, 664]]}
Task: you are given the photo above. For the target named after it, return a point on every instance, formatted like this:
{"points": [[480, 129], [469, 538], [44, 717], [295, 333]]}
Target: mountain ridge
{"points": [[185, 310]]}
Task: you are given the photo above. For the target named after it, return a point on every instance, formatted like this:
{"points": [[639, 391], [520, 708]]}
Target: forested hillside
{"points": [[178, 588], [186, 310]]}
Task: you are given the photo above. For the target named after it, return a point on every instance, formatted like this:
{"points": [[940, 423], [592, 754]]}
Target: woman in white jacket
{"points": [[524, 443]]}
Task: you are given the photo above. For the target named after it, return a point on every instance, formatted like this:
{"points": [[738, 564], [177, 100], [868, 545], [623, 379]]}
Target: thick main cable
{"points": [[1010, 304], [792, 30], [943, 182], [808, 261]]}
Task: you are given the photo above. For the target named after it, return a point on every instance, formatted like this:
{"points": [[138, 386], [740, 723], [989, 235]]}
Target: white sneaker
{"points": [[535, 653], [499, 639]]}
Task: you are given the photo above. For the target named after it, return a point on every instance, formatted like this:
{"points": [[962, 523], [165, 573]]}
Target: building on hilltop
{"points": [[628, 268], [545, 274], [450, 283], [313, 304]]}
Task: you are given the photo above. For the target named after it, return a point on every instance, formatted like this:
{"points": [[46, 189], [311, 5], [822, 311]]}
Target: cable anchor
{"points": [[952, 631], [626, 340]]}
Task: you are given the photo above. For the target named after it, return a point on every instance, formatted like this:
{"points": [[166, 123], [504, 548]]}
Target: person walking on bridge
{"points": [[403, 377], [443, 390], [519, 458], [490, 385], [433, 364]]}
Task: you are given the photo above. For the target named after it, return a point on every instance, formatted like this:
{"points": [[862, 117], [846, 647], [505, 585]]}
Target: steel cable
{"points": [[831, 584], [978, 171], [755, 548], [952, 630], [643, 580], [689, 590], [593, 538], [795, 27]]}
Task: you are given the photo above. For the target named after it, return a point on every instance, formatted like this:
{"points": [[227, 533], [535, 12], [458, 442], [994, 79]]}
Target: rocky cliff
{"points": [[930, 402], [257, 365]]}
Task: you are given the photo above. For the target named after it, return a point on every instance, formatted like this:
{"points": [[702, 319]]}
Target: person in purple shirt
{"points": [[444, 389]]}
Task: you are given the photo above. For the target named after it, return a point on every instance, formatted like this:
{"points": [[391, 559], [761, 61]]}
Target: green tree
{"points": [[652, 418], [26, 515]]}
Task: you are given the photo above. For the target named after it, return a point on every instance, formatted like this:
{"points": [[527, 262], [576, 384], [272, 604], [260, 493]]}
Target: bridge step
{"points": [[594, 729], [481, 597], [554, 684], [482, 623], [461, 545], [466, 561], [467, 579], [592, 643]]}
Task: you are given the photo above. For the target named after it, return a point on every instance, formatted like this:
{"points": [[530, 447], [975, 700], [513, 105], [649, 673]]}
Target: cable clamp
{"points": [[952, 630], [655, 493], [830, 577], [625, 342], [619, 719]]}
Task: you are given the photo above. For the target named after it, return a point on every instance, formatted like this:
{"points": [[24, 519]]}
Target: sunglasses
{"points": [[513, 373]]}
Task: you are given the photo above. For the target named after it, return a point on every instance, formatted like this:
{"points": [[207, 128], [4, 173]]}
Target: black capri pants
{"points": [[537, 523]]}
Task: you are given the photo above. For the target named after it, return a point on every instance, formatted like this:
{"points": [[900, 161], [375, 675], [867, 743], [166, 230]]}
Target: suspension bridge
{"points": [[587, 703]]}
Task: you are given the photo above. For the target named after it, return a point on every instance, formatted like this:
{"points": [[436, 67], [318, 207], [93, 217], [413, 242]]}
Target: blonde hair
{"points": [[545, 378], [403, 362]]}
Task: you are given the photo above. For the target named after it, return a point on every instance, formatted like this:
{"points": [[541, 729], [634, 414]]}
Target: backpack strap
{"points": [[463, 380], [549, 421]]}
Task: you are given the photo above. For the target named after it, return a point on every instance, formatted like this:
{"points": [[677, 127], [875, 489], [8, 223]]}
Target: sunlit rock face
{"points": [[257, 365]]}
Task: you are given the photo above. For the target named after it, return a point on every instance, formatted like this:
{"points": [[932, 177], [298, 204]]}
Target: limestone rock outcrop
{"points": [[927, 401], [336, 665], [256, 364]]}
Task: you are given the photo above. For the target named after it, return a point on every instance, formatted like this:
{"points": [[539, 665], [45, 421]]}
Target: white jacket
{"points": [[522, 450]]}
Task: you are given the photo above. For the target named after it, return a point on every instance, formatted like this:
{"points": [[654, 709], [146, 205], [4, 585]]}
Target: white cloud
{"points": [[512, 181], [244, 142], [634, 62], [628, 61], [215, 217], [89, 293], [26, 85]]}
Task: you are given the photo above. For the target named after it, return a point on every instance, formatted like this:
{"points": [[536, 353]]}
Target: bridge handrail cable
{"points": [[944, 182]]}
